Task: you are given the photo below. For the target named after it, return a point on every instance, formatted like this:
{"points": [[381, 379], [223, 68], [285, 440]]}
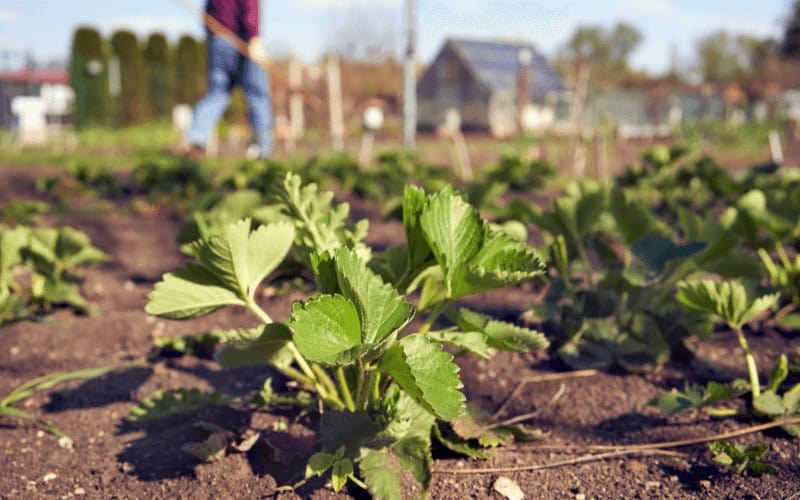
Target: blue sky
{"points": [[309, 27]]}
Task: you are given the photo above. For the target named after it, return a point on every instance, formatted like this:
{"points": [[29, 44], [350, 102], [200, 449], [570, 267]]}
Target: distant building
{"points": [[51, 86], [495, 86]]}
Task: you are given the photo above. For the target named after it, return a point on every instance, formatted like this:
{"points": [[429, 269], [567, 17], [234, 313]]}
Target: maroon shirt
{"points": [[239, 16]]}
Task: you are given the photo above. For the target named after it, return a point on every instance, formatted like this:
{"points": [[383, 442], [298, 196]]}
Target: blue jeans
{"points": [[226, 68]]}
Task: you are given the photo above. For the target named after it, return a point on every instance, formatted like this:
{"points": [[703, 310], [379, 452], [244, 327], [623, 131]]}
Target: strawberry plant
{"points": [[383, 381], [615, 267], [41, 268]]}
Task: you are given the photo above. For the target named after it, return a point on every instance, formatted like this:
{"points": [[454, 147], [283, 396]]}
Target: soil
{"points": [[110, 458]]}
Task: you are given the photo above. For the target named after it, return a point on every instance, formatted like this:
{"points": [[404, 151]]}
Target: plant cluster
{"points": [[41, 268], [385, 383]]}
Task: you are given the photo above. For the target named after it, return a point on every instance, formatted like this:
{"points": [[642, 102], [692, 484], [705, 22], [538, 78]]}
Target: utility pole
{"points": [[410, 81]]}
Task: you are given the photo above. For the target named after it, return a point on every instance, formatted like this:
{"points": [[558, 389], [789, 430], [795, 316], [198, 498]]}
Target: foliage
{"points": [[89, 79], [741, 459], [606, 50], [160, 81], [189, 70], [176, 179], [520, 174], [51, 261], [22, 211], [43, 383], [383, 387], [132, 105]]}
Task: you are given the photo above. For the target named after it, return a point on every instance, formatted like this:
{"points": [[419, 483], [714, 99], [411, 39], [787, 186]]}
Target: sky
{"points": [[309, 28]]}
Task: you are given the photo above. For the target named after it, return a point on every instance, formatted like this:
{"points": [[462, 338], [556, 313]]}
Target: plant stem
{"points": [[364, 392], [375, 388], [437, 311], [752, 370], [301, 361], [341, 379], [296, 375], [324, 379], [256, 309]]}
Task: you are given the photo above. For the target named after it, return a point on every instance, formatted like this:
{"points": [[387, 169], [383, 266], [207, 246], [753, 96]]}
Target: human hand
{"points": [[256, 51]]}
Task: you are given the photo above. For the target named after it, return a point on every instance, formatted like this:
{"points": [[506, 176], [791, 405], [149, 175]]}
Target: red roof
{"points": [[36, 76]]}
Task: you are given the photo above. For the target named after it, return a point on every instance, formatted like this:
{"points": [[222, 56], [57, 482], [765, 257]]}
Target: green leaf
{"points": [[381, 309], [741, 459], [769, 403], [727, 299], [61, 292], [656, 251], [674, 402], [327, 330], [319, 463], [413, 204], [456, 444], [474, 342], [257, 346], [427, 374], [500, 334], [341, 471], [452, 228], [500, 262], [779, 373], [50, 380], [383, 474], [188, 292], [634, 219], [400, 471], [241, 259]]}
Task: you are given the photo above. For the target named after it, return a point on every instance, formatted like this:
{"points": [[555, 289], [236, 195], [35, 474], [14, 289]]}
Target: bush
{"points": [[132, 106], [89, 79]]}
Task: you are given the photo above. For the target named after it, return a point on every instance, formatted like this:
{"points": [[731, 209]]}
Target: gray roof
{"points": [[496, 65]]}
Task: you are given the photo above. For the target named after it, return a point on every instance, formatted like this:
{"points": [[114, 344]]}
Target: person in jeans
{"points": [[227, 67]]}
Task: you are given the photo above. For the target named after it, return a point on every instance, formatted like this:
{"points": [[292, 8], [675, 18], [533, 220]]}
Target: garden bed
{"points": [[109, 457]]}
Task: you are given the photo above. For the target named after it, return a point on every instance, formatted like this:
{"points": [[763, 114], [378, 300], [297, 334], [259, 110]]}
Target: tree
{"points": [[189, 70], [607, 51], [159, 76], [790, 45], [132, 105], [724, 57], [622, 41], [89, 79]]}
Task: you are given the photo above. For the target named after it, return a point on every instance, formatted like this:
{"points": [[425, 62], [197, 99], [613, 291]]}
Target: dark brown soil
{"points": [[114, 459]]}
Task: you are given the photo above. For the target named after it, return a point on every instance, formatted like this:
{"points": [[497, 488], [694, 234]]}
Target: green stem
{"points": [[301, 361], [256, 309], [363, 393], [296, 375], [375, 388], [437, 311], [344, 390], [752, 370], [325, 380]]}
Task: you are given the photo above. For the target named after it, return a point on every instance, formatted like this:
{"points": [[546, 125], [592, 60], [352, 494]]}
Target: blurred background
{"points": [[621, 72]]}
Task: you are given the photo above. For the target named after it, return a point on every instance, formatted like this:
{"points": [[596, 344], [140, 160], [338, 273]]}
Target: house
{"points": [[51, 86], [493, 86]]}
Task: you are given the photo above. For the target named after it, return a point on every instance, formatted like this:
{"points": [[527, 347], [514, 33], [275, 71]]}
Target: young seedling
{"points": [[729, 301], [381, 387], [742, 459], [43, 383]]}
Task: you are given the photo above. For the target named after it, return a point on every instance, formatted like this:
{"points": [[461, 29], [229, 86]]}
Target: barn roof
{"points": [[496, 65]]}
